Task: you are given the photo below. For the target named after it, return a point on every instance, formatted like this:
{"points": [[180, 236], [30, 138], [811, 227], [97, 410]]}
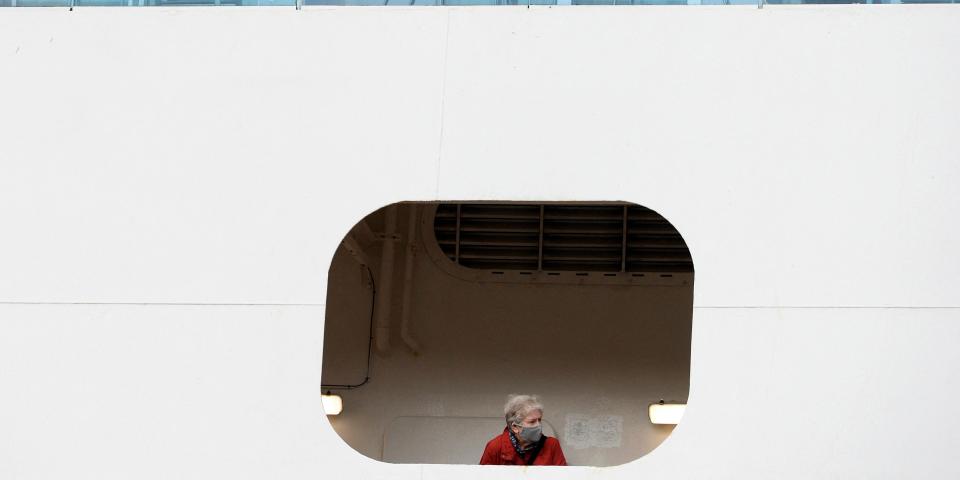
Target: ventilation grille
{"points": [[554, 237]]}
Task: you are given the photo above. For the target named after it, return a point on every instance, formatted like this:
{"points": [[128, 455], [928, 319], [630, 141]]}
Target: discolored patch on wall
{"points": [[592, 431]]}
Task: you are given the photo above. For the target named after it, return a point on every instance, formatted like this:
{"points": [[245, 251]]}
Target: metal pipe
{"points": [[411, 254], [385, 282]]}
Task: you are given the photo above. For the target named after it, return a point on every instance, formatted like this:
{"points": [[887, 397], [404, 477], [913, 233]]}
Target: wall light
{"points": [[332, 404], [662, 413]]}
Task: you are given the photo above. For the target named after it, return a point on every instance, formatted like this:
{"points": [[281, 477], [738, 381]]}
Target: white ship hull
{"points": [[174, 183]]}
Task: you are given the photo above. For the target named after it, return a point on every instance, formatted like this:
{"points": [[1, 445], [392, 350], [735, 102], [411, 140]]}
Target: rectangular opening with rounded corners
{"points": [[436, 311]]}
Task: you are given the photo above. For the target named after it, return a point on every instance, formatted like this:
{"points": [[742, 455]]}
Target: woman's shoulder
{"points": [[493, 451], [553, 454], [497, 440]]}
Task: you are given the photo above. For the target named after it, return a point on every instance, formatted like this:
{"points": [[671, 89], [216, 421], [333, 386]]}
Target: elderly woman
{"points": [[522, 441]]}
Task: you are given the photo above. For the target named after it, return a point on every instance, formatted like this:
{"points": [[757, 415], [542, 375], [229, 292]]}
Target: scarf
{"points": [[533, 450]]}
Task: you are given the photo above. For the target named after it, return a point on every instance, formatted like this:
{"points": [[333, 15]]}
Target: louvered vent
{"points": [[558, 237]]}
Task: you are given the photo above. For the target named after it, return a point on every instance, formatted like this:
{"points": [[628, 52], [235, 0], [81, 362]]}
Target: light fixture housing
{"points": [[662, 413], [332, 404]]}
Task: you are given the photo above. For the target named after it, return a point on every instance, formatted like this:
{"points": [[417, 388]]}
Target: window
{"points": [[437, 311]]}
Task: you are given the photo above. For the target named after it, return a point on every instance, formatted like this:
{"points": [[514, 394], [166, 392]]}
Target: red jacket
{"points": [[500, 451]]}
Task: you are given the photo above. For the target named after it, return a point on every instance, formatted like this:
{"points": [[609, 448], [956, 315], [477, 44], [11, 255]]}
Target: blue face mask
{"points": [[530, 434]]}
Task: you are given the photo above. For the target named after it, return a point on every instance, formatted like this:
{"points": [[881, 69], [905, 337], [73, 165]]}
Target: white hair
{"points": [[519, 406]]}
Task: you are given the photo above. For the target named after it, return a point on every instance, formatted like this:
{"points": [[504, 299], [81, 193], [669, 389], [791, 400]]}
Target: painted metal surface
{"points": [[149, 177]]}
